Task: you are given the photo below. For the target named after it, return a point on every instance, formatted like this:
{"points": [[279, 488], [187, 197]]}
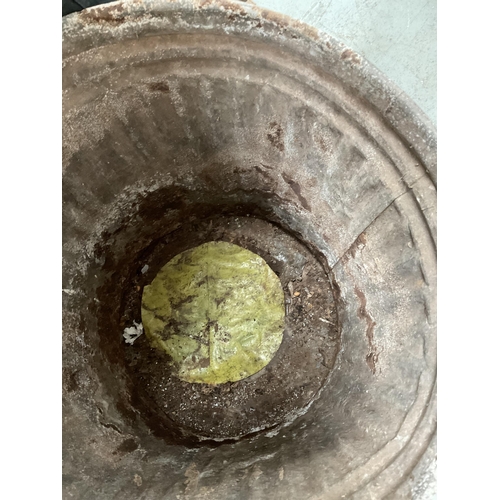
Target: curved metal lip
{"points": [[122, 19]]}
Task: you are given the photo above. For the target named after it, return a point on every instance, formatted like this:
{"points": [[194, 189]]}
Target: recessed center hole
{"points": [[217, 310], [240, 328]]}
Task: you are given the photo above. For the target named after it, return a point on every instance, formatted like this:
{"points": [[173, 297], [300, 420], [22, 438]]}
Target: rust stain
{"points": [[349, 55], [235, 14], [113, 16], [297, 190], [275, 136], [358, 244], [372, 356], [159, 87], [322, 144]]}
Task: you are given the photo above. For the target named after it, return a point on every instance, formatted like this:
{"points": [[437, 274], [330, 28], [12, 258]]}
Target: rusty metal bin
{"points": [[190, 121]]}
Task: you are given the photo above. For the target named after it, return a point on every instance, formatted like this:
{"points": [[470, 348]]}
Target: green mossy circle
{"points": [[217, 310]]}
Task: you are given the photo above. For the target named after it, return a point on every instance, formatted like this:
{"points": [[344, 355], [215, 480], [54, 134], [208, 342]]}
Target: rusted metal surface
{"points": [[177, 115]]}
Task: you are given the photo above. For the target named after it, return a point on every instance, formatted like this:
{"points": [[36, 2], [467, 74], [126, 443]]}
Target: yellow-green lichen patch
{"points": [[217, 310]]}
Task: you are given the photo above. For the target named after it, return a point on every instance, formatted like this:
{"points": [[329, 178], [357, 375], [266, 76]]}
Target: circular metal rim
{"points": [[121, 19]]}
